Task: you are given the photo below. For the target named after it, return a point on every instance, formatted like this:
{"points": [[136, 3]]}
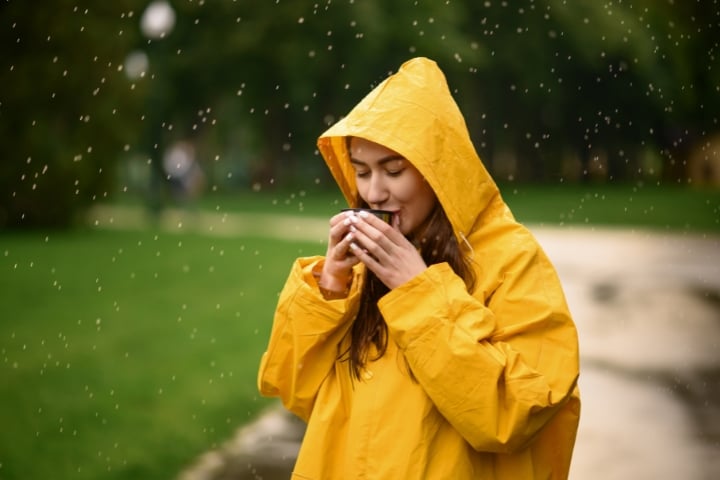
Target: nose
{"points": [[377, 191]]}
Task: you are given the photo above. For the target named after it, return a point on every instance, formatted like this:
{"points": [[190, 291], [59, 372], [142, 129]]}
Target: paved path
{"points": [[647, 307]]}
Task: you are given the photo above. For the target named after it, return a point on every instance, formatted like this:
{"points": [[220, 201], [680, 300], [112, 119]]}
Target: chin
{"points": [[407, 230]]}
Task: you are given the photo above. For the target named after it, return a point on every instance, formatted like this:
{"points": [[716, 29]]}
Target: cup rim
{"points": [[370, 210]]}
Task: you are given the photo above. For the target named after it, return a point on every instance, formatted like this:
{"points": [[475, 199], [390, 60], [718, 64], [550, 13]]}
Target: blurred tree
{"points": [[597, 79], [551, 89], [65, 106], [283, 71]]}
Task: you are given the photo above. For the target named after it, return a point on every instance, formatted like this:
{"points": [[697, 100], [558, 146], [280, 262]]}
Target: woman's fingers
{"points": [[338, 228], [338, 258], [375, 236], [385, 251]]}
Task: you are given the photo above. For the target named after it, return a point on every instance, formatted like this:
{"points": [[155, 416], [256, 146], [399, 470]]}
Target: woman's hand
{"points": [[384, 249], [339, 258]]}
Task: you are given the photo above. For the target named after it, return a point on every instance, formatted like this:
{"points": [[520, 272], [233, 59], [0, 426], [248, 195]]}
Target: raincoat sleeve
{"points": [[497, 365], [304, 340]]}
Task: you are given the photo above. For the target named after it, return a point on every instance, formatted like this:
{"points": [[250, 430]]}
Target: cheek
{"points": [[427, 203], [420, 197], [361, 188], [410, 189]]}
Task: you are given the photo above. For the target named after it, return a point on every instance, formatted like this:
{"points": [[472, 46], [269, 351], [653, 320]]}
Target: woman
{"points": [[439, 346]]}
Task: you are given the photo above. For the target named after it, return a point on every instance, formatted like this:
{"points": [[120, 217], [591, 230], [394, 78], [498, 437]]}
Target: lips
{"points": [[396, 212], [396, 215]]}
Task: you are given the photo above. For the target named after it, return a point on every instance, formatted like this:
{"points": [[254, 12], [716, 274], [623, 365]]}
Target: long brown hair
{"points": [[437, 244]]}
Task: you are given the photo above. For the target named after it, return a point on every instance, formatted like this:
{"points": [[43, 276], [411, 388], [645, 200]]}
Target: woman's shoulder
{"points": [[502, 233]]}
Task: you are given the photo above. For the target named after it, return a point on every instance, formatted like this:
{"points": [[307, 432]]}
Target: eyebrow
{"points": [[382, 161]]}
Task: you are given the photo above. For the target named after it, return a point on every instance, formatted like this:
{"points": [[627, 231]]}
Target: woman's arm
{"points": [[498, 368], [304, 340]]}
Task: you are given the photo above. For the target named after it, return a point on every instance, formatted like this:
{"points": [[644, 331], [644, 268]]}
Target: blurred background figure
{"points": [[186, 178]]}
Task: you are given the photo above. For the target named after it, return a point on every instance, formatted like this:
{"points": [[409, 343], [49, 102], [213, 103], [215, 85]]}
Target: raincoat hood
{"points": [[413, 113]]}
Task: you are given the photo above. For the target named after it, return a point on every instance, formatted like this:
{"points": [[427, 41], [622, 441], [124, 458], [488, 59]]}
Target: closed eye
{"points": [[394, 166]]}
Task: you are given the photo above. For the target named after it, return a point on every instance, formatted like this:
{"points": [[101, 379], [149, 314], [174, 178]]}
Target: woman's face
{"points": [[387, 181]]}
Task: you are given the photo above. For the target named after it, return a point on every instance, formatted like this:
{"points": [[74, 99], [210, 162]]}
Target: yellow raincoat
{"points": [[495, 391]]}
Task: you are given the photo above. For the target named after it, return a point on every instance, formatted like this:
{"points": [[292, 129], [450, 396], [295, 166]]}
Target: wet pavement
{"points": [[647, 307]]}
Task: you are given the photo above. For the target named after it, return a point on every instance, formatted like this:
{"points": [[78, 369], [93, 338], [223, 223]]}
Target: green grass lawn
{"points": [[649, 206], [124, 355], [670, 208]]}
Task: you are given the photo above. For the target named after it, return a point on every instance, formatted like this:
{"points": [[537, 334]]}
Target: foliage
{"points": [[65, 107], [551, 89]]}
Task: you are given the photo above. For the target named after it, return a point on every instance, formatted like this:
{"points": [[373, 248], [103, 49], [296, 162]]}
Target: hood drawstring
{"points": [[465, 241]]}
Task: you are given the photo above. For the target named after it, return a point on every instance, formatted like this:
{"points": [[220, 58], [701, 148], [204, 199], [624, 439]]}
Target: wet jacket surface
{"points": [[494, 394]]}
